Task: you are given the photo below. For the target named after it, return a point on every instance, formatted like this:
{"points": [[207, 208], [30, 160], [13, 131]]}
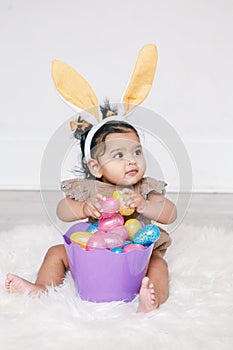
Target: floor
{"points": [[26, 207]]}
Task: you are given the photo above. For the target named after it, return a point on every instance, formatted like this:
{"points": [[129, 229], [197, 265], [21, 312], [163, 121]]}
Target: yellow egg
{"points": [[122, 208], [126, 211], [81, 238], [132, 225], [117, 195]]}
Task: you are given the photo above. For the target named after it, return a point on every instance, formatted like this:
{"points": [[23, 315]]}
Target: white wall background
{"points": [[193, 88]]}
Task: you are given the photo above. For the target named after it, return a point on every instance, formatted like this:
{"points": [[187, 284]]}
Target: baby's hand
{"points": [[134, 200], [92, 206]]}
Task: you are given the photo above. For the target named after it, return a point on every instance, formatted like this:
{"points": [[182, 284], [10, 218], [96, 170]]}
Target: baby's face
{"points": [[123, 162]]}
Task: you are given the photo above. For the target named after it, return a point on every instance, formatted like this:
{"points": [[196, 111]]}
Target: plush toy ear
{"points": [[74, 88], [142, 78]]}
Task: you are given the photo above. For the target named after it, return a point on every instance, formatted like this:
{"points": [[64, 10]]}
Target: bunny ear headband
{"points": [[76, 91]]}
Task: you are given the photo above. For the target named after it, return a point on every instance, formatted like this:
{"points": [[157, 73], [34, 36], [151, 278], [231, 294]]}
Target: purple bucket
{"points": [[101, 275]]}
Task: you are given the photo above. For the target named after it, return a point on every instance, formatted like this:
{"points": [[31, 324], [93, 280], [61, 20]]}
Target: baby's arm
{"points": [[69, 209], [156, 207]]}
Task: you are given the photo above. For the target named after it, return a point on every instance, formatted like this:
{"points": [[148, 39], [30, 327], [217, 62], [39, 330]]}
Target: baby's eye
{"points": [[118, 155], [138, 152]]}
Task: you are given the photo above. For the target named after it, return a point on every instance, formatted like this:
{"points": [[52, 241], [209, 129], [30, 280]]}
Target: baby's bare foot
{"points": [[17, 285], [148, 301]]}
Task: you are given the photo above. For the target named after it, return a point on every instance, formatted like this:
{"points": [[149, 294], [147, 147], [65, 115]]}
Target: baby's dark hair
{"points": [[99, 138]]}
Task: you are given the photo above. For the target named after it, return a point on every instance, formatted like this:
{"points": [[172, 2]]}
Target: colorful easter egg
{"points": [[109, 206], [119, 230], [147, 235], [96, 241], [111, 222], [81, 238], [132, 225], [133, 246], [113, 240], [126, 211], [122, 207], [93, 227], [100, 232], [117, 250], [78, 227]]}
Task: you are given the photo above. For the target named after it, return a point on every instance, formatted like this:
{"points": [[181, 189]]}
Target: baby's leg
{"points": [[154, 289], [52, 272]]}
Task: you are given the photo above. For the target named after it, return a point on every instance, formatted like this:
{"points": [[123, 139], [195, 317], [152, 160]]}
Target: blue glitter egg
{"points": [[93, 227], [147, 235]]}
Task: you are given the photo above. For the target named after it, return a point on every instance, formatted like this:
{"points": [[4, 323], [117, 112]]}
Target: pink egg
{"points": [[109, 206], [119, 230], [99, 232], [133, 246], [111, 222], [96, 241]]}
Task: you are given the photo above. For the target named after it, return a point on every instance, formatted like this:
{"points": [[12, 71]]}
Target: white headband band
{"points": [[94, 129]]}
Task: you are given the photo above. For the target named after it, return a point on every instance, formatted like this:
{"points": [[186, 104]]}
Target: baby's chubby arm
{"points": [[68, 209], [156, 207]]}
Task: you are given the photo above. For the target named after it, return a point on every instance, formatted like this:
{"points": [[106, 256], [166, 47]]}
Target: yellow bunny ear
{"points": [[74, 88], [142, 78]]}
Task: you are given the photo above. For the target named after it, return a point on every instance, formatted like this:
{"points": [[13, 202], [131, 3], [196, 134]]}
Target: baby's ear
{"points": [[94, 168]]}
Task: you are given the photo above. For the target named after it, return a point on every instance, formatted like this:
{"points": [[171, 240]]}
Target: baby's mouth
{"points": [[132, 172]]}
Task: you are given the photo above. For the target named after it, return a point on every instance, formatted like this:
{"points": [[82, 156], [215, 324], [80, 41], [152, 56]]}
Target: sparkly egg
{"points": [[111, 222], [81, 238], [122, 208], [133, 246], [132, 225], [117, 250], [147, 235]]}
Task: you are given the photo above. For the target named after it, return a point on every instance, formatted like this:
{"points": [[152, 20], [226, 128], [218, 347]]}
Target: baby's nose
{"points": [[130, 160]]}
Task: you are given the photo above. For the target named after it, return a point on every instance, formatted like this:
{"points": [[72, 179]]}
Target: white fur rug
{"points": [[197, 315]]}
